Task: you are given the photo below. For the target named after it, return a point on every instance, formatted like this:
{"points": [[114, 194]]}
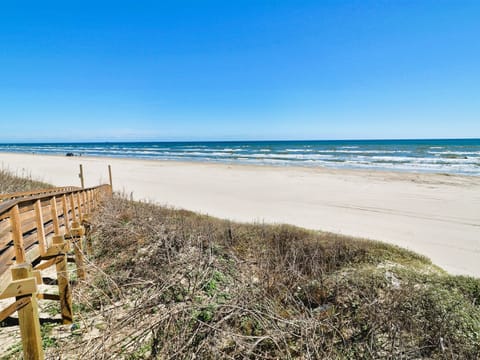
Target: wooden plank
{"points": [[72, 207], [28, 219], [5, 208], [47, 212], [5, 234], [38, 276], [54, 213], [6, 259], [56, 250], [33, 253], [46, 264], [85, 202], [26, 207], [12, 308], [66, 220], [89, 203], [4, 225], [80, 211], [5, 240], [26, 215], [17, 235], [54, 297], [40, 227], [21, 194], [49, 229], [20, 287]]}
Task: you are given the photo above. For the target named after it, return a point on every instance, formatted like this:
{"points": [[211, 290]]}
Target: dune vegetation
{"points": [[10, 183], [172, 284]]}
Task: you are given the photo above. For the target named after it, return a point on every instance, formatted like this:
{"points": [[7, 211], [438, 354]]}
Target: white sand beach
{"points": [[433, 214]]}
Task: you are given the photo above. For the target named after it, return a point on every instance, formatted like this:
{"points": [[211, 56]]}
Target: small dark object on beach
{"points": [[70, 154]]}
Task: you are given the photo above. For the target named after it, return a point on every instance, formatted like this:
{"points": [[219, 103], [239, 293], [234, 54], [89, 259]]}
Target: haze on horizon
{"points": [[249, 70]]}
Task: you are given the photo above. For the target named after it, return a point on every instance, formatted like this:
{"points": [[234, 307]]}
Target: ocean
{"points": [[452, 156]]}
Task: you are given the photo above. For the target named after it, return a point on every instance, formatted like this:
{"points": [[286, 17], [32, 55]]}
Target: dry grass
{"points": [[10, 183], [171, 284]]}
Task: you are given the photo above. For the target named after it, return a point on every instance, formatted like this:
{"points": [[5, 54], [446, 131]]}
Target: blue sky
{"points": [[210, 70]]}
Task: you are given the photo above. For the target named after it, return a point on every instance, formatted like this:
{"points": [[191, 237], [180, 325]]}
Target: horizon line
{"points": [[220, 140]]}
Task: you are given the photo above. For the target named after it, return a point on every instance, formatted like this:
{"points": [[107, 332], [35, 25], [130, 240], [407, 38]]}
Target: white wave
{"points": [[299, 150], [448, 152]]}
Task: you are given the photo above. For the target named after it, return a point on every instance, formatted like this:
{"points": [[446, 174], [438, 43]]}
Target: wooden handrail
{"points": [[34, 227], [38, 216], [23, 194]]}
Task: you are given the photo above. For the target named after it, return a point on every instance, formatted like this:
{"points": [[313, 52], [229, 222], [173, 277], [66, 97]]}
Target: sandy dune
{"points": [[433, 214]]}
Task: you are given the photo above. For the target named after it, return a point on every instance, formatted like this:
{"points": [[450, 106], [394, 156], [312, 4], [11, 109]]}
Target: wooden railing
{"points": [[37, 230], [24, 194]]}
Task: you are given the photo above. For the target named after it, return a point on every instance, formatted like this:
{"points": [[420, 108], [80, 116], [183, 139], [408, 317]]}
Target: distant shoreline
{"points": [[452, 156], [106, 159]]}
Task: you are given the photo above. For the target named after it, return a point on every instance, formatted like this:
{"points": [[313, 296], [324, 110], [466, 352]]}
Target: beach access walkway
{"points": [[38, 230]]}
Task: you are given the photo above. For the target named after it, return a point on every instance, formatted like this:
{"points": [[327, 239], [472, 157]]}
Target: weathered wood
{"points": [[5, 233], [12, 308], [17, 235], [47, 212], [47, 263], [77, 233], [40, 227], [38, 276], [110, 177], [89, 202], [20, 287], [64, 290], [72, 207], [80, 212], [23, 232], [56, 250], [85, 203], [28, 317], [54, 212], [82, 179], [44, 296], [27, 216], [66, 221], [22, 194]]}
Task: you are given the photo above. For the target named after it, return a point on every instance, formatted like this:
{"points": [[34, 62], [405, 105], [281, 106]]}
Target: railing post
{"points": [[77, 233], [80, 212], [66, 222], [17, 234], [82, 180], [64, 290], [28, 315], [72, 207], [40, 228], [110, 178], [53, 209]]}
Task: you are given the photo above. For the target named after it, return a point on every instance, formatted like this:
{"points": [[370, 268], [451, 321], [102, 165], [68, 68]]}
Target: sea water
{"points": [[452, 156]]}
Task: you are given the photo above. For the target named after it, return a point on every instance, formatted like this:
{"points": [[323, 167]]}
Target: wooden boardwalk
{"points": [[37, 231]]}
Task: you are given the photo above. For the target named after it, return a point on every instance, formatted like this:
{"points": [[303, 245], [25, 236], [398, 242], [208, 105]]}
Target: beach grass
{"points": [[10, 182], [167, 283], [177, 283]]}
